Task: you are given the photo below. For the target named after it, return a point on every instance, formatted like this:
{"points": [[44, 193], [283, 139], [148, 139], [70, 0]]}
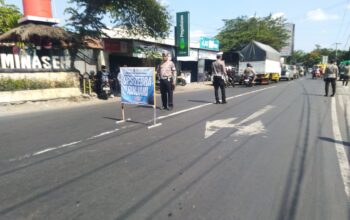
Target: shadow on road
{"points": [[199, 101], [313, 94], [334, 141]]}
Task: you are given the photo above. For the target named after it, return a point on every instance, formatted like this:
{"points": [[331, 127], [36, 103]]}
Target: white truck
{"points": [[264, 59], [266, 70]]}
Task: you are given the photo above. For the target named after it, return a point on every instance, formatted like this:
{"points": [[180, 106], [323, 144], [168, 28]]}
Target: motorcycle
{"points": [[248, 81], [229, 81], [106, 89], [181, 80]]}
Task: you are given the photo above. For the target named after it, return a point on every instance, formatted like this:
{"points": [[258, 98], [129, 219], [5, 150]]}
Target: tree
{"points": [[298, 56], [143, 17], [9, 16], [240, 31]]}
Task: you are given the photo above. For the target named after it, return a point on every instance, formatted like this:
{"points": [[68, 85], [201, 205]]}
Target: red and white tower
{"points": [[38, 11]]}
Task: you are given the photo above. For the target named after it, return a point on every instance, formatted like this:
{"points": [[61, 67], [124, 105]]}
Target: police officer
{"points": [[219, 72], [167, 75]]}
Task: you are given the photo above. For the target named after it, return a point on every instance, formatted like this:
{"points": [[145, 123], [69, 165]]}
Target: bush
{"points": [[8, 84]]}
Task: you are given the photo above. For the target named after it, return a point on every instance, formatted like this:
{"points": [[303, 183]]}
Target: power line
{"points": [[347, 41], [342, 22]]}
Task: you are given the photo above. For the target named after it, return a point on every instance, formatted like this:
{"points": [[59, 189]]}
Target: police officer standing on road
{"points": [[331, 74], [167, 75], [219, 72]]}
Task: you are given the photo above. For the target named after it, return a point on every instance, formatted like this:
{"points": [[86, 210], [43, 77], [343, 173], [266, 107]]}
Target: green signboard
{"points": [[182, 34], [209, 43]]}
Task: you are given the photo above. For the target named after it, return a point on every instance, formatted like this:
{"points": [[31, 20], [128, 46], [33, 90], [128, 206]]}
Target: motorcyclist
{"points": [[102, 78], [250, 72]]}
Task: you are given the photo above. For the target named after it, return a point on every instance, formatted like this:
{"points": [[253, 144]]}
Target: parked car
{"points": [[294, 70], [287, 73]]}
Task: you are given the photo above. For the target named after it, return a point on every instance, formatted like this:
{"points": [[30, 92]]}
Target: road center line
{"points": [[341, 153], [46, 150], [27, 156], [204, 105]]}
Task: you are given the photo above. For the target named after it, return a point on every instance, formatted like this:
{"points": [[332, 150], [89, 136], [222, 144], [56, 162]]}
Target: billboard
{"points": [[182, 34], [287, 50]]}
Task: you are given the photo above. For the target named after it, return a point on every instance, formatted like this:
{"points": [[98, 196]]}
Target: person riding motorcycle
{"points": [[250, 72], [102, 80]]}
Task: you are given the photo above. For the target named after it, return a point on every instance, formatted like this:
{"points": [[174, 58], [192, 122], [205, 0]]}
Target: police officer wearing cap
{"points": [[167, 76], [219, 72]]}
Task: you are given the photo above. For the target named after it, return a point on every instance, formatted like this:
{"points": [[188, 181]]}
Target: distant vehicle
{"points": [[294, 70], [287, 73], [265, 61], [301, 71]]}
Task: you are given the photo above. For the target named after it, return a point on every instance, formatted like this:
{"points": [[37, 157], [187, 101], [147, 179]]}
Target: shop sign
{"points": [[115, 46], [27, 62], [209, 43], [207, 55], [193, 56], [182, 34], [142, 50]]}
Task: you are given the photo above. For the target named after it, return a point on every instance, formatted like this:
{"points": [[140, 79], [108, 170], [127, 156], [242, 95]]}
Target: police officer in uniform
{"points": [[219, 72], [167, 75]]}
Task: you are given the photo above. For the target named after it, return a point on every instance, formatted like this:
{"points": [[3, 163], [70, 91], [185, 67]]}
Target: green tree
{"points": [[143, 17], [298, 56], [241, 30], [9, 15]]}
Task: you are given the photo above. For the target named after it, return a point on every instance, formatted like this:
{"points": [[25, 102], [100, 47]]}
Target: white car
{"points": [[287, 73]]}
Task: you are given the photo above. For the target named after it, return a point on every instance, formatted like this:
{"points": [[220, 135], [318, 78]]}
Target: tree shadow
{"points": [[347, 144]]}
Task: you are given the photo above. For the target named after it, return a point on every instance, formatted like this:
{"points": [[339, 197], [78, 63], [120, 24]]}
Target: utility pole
{"points": [[336, 51]]}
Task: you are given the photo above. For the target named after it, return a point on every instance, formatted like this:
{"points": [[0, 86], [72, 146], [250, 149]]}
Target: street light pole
{"points": [[336, 51]]}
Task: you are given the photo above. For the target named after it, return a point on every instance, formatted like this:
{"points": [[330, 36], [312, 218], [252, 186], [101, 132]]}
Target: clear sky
{"points": [[323, 22]]}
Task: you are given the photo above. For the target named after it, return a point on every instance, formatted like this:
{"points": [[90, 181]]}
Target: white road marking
{"points": [[252, 129], [56, 148], [257, 114], [26, 156], [341, 152], [102, 134], [204, 105], [211, 127]]}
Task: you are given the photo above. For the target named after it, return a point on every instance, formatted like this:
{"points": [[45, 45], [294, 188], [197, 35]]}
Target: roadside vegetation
{"points": [[8, 84]]}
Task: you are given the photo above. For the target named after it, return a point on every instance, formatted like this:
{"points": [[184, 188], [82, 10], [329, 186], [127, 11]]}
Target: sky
{"points": [[317, 22]]}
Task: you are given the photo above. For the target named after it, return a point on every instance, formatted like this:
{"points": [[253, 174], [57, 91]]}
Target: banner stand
{"points": [[154, 105], [123, 115], [154, 116], [137, 84]]}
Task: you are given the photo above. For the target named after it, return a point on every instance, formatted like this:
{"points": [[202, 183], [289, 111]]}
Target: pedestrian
{"points": [[330, 77], [166, 72], [346, 75], [219, 73]]}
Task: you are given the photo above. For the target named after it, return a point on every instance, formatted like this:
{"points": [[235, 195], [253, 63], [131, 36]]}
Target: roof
{"points": [[267, 48], [29, 31], [256, 51]]}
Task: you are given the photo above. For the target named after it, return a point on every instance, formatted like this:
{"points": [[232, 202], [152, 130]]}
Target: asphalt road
{"points": [[273, 152]]}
